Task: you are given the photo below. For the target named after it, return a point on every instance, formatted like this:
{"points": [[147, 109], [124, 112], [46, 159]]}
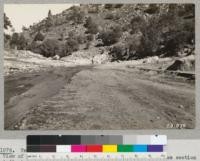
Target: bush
{"points": [[66, 48], [80, 39], [152, 9], [109, 16], [135, 47], [71, 45], [109, 6], [90, 37], [87, 46], [137, 24], [91, 26], [94, 9], [127, 50], [49, 47], [111, 36], [71, 34], [118, 52], [112, 16], [126, 27], [77, 15], [118, 5]]}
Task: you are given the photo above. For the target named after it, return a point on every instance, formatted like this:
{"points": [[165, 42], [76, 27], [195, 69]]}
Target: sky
{"points": [[27, 14]]}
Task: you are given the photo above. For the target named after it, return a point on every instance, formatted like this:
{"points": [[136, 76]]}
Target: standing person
{"points": [[92, 60]]}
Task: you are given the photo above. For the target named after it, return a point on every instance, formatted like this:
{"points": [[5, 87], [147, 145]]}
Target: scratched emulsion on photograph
{"points": [[99, 66]]}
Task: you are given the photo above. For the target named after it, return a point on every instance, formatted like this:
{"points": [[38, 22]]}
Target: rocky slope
{"points": [[139, 31]]}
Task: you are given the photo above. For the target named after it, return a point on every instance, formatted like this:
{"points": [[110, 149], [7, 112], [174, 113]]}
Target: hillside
{"points": [[122, 32]]}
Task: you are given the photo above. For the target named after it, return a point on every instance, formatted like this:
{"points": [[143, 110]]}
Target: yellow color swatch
{"points": [[109, 148]]}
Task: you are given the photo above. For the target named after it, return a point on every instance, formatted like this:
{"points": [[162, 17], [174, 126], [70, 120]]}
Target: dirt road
{"points": [[97, 98]]}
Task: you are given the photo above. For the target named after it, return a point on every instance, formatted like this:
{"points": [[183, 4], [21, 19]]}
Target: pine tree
{"points": [[49, 13], [49, 20]]}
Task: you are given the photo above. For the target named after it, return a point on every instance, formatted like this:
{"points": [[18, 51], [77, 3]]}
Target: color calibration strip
{"points": [[99, 144], [110, 148], [95, 148], [96, 139]]}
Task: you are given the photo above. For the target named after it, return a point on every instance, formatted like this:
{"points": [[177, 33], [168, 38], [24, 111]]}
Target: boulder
{"points": [[183, 64], [56, 57]]}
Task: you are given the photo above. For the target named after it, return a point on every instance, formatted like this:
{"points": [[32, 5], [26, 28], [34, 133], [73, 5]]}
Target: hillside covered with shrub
{"points": [[125, 32]]}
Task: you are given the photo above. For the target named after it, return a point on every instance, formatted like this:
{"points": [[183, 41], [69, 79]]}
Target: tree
{"points": [[24, 28], [151, 35], [49, 13], [7, 39], [189, 9], [173, 28], [22, 43], [39, 37], [19, 41], [49, 20], [7, 22], [14, 40]]}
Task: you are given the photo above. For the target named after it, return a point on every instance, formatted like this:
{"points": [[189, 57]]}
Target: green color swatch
{"points": [[124, 148]]}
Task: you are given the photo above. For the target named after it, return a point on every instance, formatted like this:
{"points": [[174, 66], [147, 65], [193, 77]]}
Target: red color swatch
{"points": [[94, 148]]}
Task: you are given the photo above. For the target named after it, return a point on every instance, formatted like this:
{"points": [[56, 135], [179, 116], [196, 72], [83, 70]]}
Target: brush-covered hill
{"points": [[123, 32]]}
